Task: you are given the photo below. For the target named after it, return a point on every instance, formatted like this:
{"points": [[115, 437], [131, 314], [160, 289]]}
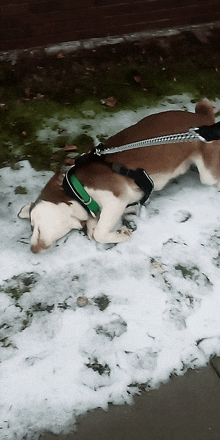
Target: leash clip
{"points": [[99, 149]]}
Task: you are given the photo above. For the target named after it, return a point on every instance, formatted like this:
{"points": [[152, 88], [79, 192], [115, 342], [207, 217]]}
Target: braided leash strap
{"points": [[190, 135]]}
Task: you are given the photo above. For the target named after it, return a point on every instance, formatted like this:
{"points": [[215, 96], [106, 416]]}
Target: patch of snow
{"points": [[153, 302]]}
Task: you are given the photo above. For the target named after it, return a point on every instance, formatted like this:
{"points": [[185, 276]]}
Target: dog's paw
{"points": [[124, 232], [119, 236], [91, 225], [129, 224]]}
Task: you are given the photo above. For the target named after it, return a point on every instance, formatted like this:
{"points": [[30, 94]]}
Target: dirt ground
{"points": [[105, 79]]}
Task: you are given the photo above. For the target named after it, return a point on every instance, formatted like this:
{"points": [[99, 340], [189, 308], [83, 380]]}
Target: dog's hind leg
{"points": [[110, 215]]}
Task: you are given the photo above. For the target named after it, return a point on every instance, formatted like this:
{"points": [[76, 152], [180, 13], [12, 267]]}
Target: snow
{"points": [[153, 302]]}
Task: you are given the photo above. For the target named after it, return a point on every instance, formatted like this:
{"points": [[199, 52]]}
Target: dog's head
{"points": [[52, 216]]}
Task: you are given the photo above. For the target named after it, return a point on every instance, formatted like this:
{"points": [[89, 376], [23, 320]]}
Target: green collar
{"points": [[76, 190]]}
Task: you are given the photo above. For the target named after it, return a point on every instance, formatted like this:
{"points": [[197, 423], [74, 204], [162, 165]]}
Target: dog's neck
{"points": [[53, 192]]}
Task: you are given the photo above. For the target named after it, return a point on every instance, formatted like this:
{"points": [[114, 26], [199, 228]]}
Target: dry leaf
{"points": [[110, 102], [39, 96], [28, 91], [60, 55], [69, 148], [137, 78], [69, 161]]}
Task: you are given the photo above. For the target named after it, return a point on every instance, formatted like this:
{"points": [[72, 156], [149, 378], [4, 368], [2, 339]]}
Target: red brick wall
{"points": [[31, 23]]}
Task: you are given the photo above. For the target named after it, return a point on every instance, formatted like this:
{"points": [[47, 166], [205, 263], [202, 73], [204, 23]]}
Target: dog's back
{"points": [[113, 192]]}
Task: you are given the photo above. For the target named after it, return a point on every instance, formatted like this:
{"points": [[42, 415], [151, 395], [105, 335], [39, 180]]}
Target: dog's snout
{"points": [[39, 245], [35, 249]]}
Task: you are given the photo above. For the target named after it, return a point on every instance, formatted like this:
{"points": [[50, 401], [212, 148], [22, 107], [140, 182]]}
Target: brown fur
{"points": [[154, 159], [114, 192], [100, 176], [161, 124], [211, 156], [53, 191]]}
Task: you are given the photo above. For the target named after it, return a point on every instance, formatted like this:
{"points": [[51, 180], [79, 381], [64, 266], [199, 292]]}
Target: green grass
{"points": [[33, 91]]}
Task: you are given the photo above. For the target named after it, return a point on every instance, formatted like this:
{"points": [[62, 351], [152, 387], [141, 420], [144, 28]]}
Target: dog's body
{"points": [[54, 213]]}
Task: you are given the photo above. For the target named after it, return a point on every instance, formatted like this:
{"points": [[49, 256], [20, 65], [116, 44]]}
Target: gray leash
{"points": [[190, 135]]}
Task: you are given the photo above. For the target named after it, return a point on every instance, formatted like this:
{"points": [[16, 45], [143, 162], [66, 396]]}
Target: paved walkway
{"points": [[187, 408]]}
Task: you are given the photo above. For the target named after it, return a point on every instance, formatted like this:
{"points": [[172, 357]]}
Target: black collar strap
{"points": [[141, 178], [75, 190]]}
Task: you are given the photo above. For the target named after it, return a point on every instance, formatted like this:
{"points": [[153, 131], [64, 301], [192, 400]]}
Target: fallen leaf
{"points": [[69, 148], [28, 91], [39, 96], [137, 78], [110, 102], [69, 161]]}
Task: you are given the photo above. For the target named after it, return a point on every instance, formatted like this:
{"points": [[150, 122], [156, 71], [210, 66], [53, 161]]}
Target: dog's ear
{"points": [[25, 211]]}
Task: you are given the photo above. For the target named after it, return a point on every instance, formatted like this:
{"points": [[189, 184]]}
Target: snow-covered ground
{"points": [[153, 302]]}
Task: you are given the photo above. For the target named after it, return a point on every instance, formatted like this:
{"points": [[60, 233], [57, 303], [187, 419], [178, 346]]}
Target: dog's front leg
{"points": [[91, 225], [110, 215]]}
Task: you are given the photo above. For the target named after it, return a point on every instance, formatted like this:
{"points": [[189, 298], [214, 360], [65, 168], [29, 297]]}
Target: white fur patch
{"points": [[103, 197], [112, 208], [205, 174], [51, 222], [160, 179]]}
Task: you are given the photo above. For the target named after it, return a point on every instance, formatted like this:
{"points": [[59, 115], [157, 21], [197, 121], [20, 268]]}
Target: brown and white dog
{"points": [[54, 214]]}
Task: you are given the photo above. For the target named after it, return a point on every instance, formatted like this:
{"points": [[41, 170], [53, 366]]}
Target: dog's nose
{"points": [[35, 249], [38, 247]]}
